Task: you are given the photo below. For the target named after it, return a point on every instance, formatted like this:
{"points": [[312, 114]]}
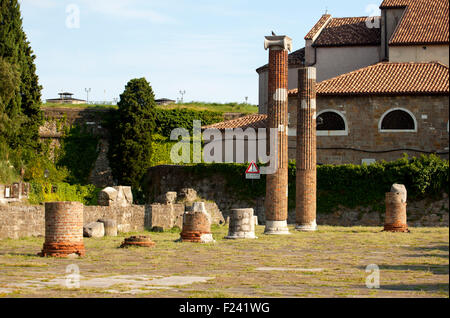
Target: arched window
{"points": [[331, 122], [398, 120]]}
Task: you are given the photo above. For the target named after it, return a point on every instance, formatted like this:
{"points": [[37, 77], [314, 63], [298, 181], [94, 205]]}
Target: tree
{"points": [[9, 84], [23, 107], [131, 146]]}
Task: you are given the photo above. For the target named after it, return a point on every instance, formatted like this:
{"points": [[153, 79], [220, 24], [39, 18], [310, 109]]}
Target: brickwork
{"points": [[63, 229], [396, 219], [196, 225], [306, 151], [364, 139], [276, 204]]}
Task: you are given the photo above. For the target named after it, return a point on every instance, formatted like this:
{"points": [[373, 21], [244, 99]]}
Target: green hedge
{"points": [[47, 192], [346, 185], [169, 119], [161, 150]]}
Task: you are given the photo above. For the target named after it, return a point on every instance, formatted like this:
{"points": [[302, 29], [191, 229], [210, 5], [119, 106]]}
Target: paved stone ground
{"points": [[329, 263]]}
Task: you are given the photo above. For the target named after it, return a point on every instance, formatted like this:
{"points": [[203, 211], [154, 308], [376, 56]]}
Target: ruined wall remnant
{"points": [[63, 229], [276, 204], [306, 151], [110, 226], [94, 229], [242, 224], [396, 218], [197, 225], [120, 196]]}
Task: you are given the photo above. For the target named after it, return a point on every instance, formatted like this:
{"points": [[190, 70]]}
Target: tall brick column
{"points": [[306, 151], [63, 229], [276, 204]]}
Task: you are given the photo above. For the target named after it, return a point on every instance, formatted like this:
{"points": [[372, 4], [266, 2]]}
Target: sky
{"points": [[208, 48]]}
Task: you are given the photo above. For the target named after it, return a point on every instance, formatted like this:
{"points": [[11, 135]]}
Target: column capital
{"points": [[281, 42]]}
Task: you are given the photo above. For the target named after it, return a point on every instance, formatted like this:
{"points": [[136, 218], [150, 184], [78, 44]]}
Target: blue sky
{"points": [[209, 48]]}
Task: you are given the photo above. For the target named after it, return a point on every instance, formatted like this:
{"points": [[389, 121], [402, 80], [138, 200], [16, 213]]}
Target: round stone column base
{"points": [[138, 241], [242, 235], [276, 228], [403, 228], [312, 227], [62, 249], [196, 237]]}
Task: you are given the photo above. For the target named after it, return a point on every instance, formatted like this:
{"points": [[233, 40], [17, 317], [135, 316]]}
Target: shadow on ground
{"points": [[21, 254], [416, 287], [443, 248], [435, 269]]}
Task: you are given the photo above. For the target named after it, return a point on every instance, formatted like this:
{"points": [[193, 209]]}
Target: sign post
{"points": [[253, 172]]}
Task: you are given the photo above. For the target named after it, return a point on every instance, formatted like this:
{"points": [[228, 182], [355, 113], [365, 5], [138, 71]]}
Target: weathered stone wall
{"points": [[163, 179], [25, 221], [365, 141], [21, 221], [18, 221], [424, 213], [168, 216], [92, 120], [56, 117], [131, 218]]}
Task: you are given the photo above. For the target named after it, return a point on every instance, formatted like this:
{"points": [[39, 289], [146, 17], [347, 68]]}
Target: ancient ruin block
{"points": [[168, 198], [94, 229], [63, 229], [110, 226], [188, 195], [116, 196], [306, 151], [242, 224], [197, 225], [400, 188], [396, 218], [107, 196], [124, 196], [138, 241], [276, 203]]}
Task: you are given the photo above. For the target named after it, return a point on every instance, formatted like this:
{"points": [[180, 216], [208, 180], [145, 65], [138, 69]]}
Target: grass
{"points": [[223, 108], [217, 107], [411, 265], [49, 105]]}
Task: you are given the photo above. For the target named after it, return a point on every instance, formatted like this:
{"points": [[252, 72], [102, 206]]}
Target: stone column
{"points": [[276, 203], [242, 224], [63, 229], [396, 219], [306, 151]]}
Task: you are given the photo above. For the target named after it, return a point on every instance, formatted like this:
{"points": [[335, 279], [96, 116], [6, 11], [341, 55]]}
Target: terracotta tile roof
{"points": [[424, 22], [348, 32], [251, 121], [389, 79], [395, 4], [320, 24], [296, 58]]}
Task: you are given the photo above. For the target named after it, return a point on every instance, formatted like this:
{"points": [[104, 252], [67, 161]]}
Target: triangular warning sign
{"points": [[253, 168]]}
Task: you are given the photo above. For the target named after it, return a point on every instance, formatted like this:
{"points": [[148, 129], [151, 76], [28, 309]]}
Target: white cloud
{"points": [[127, 9]]}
